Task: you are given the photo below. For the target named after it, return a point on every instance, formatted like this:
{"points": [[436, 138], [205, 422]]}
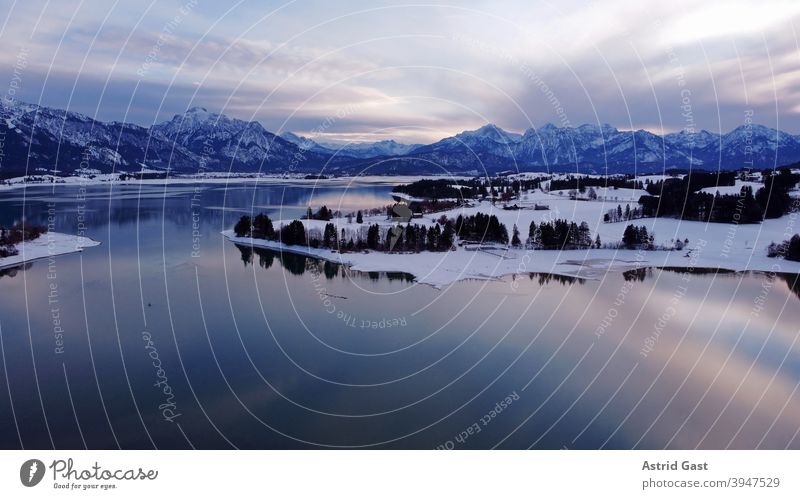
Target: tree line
{"points": [[693, 181], [581, 183], [481, 228], [620, 215], [789, 249], [561, 234], [637, 237], [414, 238], [10, 237], [480, 187], [681, 198], [399, 238]]}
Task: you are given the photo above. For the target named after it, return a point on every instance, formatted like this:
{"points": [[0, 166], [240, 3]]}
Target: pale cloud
{"points": [[414, 72]]}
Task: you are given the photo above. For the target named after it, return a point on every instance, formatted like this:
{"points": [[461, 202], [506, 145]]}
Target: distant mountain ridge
{"points": [[605, 148], [37, 139], [361, 150]]}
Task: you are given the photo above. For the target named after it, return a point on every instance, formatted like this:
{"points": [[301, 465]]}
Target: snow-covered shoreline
{"points": [[47, 245], [201, 179], [441, 269], [735, 247]]}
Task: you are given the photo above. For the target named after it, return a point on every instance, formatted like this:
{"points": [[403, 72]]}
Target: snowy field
{"points": [[711, 245], [47, 245], [608, 194], [733, 189]]}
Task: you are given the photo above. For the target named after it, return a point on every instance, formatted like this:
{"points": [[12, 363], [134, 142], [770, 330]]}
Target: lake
{"points": [[169, 336]]}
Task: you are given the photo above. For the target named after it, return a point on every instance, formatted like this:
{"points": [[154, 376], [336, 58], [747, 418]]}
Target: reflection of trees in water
{"points": [[247, 253], [299, 264], [265, 259], [399, 276], [295, 264], [377, 276], [700, 271], [544, 278], [792, 281], [330, 269], [639, 274], [13, 271]]}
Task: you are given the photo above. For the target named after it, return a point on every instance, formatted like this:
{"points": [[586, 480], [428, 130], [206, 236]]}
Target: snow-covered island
{"points": [[47, 245], [729, 246]]}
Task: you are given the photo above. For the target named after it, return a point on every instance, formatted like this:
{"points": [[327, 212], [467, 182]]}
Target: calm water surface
{"points": [[175, 338]]}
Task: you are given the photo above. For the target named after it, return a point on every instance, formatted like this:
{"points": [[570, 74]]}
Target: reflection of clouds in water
{"points": [[286, 198], [153, 238], [698, 404], [351, 200], [688, 360], [701, 345]]}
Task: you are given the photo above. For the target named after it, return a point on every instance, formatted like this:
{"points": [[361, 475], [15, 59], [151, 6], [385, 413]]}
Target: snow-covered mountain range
{"points": [[605, 148], [37, 139], [361, 150]]}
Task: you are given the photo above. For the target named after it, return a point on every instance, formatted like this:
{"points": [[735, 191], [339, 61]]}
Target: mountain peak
{"points": [[490, 131], [291, 136], [198, 136], [194, 115], [489, 127]]}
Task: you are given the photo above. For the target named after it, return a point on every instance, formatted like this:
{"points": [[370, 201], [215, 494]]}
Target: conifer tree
{"points": [[262, 227], [329, 235], [242, 227], [515, 238]]}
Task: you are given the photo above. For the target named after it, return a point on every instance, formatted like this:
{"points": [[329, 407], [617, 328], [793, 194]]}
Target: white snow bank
{"points": [[735, 247], [733, 189], [47, 245], [441, 269]]}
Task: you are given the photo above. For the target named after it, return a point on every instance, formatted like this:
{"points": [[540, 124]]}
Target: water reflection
{"points": [[13, 271], [639, 274], [792, 281], [298, 265], [264, 349], [543, 279]]}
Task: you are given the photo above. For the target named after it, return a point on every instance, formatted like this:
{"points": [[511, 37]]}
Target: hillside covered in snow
{"points": [[39, 140]]}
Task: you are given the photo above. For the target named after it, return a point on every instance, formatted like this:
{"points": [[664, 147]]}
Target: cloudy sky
{"points": [[414, 72]]}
